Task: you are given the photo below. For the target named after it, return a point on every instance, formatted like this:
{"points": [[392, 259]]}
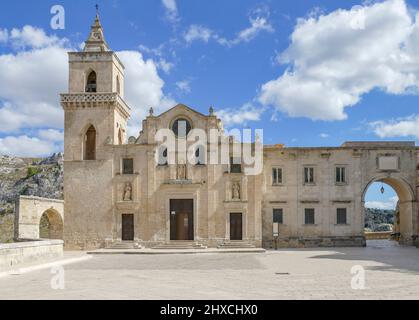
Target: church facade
{"points": [[140, 191]]}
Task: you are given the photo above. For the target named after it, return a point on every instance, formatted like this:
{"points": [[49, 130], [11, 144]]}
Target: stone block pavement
{"points": [[391, 272]]}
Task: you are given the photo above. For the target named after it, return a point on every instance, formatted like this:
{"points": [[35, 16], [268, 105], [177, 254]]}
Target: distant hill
{"points": [[41, 177], [378, 219]]}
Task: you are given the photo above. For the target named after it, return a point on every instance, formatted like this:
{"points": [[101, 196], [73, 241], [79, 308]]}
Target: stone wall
{"points": [[378, 235], [7, 228], [14, 254], [316, 242], [325, 195]]}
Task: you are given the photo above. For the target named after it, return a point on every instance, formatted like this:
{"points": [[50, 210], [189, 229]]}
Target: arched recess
{"points": [[91, 82], [51, 225], [89, 143], [407, 205]]}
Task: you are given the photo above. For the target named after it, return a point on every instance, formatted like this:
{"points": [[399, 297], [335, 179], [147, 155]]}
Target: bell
{"points": [[383, 190]]}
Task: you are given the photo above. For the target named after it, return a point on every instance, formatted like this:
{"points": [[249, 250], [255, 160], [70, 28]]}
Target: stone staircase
{"points": [[125, 245], [180, 245], [236, 245]]}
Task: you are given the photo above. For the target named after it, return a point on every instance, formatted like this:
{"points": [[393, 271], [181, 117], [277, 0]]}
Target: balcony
{"points": [[82, 100]]}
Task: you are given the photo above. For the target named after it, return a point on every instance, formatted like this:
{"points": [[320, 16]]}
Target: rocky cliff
{"points": [[27, 176]]}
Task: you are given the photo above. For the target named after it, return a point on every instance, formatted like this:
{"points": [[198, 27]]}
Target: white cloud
{"points": [[158, 51], [383, 205], [24, 146], [247, 112], [143, 88], [336, 58], [324, 135], [171, 10], [205, 34], [30, 82], [402, 127], [184, 86], [51, 135], [158, 55], [198, 32], [32, 78], [165, 65], [31, 37], [257, 25], [4, 35]]}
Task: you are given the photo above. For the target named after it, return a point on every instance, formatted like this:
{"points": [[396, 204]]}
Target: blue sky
{"points": [[310, 73]]}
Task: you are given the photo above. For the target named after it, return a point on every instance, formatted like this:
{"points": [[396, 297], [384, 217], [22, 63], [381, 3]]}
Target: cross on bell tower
{"points": [[96, 41]]}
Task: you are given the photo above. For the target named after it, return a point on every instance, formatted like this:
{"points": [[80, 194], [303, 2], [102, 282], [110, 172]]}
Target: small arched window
{"points": [[90, 144], [91, 85], [118, 85]]}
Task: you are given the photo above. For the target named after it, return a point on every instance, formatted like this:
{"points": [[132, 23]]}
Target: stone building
{"points": [[116, 188]]}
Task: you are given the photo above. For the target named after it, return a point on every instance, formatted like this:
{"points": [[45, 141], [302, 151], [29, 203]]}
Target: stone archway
{"points": [[51, 225], [31, 210], [407, 205]]}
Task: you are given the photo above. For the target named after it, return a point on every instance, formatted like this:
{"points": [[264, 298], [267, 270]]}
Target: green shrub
{"points": [[31, 172], [23, 191]]}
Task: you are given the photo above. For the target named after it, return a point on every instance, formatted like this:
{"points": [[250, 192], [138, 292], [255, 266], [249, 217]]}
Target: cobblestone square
{"points": [[391, 272]]}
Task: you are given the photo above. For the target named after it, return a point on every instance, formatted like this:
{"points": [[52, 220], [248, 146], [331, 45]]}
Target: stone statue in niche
{"points": [[181, 172], [236, 191], [128, 192]]}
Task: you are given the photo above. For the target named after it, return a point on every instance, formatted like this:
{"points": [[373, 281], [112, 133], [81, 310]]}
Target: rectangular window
{"points": [[278, 216], [128, 166], [276, 176], [340, 175], [309, 216], [235, 165], [308, 175], [341, 216]]}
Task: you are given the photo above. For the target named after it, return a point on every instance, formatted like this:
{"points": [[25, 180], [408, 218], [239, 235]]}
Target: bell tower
{"points": [[96, 114]]}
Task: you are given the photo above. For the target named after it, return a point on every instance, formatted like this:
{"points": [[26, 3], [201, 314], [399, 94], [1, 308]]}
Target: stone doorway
{"points": [[127, 227], [181, 220], [236, 226]]}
